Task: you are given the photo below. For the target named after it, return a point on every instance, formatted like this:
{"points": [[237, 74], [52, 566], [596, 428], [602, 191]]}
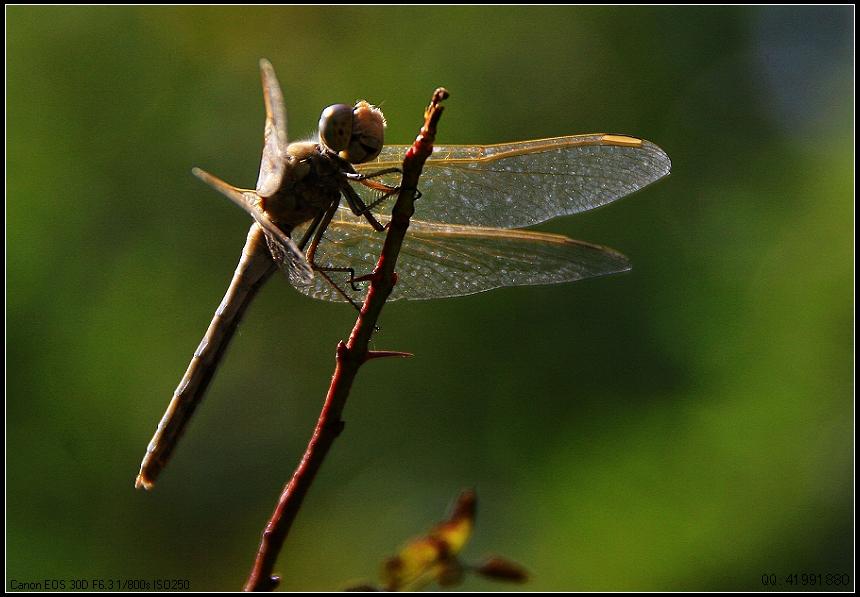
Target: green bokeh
{"points": [[685, 426]]}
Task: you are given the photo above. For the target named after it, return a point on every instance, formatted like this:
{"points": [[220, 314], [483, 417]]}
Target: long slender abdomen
{"points": [[254, 268]]}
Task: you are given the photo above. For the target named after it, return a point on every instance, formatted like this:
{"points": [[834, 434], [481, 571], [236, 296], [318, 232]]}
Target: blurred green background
{"points": [[687, 425]]}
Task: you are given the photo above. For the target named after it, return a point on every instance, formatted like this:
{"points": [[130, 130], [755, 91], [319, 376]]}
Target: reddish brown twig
{"points": [[350, 356]]}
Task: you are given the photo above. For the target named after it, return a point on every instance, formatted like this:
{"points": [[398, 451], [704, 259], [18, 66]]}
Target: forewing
{"points": [[513, 185], [284, 251], [439, 260], [273, 162]]}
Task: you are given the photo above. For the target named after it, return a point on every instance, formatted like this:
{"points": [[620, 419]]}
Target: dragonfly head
{"points": [[356, 133]]}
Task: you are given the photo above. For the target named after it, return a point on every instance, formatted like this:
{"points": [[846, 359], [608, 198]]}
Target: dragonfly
{"points": [[318, 212]]}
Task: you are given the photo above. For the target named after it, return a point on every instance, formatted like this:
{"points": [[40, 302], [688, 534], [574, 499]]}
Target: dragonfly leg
{"points": [[380, 187], [345, 270], [385, 190], [319, 227], [360, 177], [359, 208], [311, 229], [321, 221], [323, 271]]}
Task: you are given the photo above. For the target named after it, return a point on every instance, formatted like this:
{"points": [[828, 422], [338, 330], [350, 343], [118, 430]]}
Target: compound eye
{"points": [[336, 126], [368, 132]]}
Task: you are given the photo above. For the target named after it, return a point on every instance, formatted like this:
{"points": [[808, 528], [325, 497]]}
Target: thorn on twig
{"points": [[371, 277], [336, 427], [274, 581], [381, 354]]}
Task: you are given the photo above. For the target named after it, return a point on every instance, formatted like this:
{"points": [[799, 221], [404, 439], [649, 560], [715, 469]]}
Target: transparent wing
{"points": [[441, 260], [274, 158], [284, 251], [513, 185]]}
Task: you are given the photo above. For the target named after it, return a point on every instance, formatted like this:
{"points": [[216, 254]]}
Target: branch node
{"points": [[342, 351], [335, 427]]}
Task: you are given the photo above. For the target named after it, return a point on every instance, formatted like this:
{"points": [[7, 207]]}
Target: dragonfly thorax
{"points": [[311, 182]]}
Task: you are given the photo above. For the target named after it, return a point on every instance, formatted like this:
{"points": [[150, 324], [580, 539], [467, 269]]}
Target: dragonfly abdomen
{"points": [[255, 267]]}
